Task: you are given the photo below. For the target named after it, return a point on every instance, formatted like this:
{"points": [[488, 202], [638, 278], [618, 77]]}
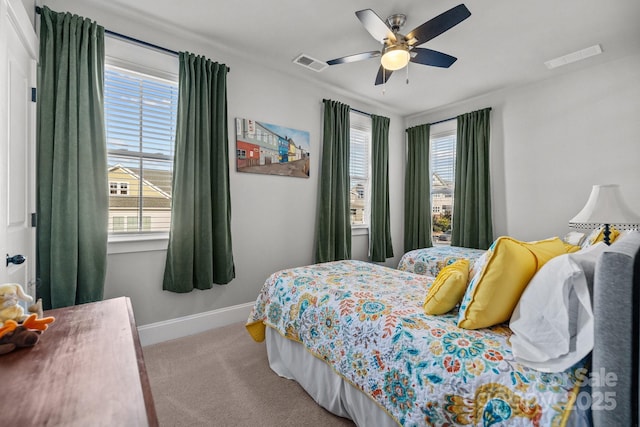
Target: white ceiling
{"points": [[503, 44]]}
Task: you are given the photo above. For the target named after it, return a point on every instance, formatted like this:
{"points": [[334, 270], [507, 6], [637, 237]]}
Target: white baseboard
{"points": [[154, 333]]}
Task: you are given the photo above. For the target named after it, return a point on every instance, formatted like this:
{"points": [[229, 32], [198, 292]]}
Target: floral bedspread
{"points": [[431, 260], [367, 323]]}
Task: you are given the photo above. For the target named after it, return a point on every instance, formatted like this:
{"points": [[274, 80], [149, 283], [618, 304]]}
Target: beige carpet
{"points": [[222, 378]]}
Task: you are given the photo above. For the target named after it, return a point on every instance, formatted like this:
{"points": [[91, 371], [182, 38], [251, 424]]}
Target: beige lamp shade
{"points": [[605, 207]]}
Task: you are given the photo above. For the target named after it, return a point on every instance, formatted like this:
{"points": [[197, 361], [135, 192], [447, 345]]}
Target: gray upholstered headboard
{"points": [[616, 295]]}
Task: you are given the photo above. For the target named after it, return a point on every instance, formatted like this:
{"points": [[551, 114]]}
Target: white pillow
{"points": [[574, 238], [588, 241], [553, 322]]}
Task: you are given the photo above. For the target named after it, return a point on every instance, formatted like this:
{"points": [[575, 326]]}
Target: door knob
{"points": [[16, 259]]}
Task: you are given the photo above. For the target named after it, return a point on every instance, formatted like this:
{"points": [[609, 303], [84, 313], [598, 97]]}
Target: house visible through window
{"points": [[443, 160], [359, 169], [140, 116], [118, 188]]}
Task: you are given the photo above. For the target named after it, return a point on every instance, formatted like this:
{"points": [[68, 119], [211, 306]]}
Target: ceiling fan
{"points": [[397, 49]]}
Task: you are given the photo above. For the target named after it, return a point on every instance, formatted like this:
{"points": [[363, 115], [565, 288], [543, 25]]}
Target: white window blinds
{"points": [[140, 117], [359, 169], [443, 156], [443, 160]]}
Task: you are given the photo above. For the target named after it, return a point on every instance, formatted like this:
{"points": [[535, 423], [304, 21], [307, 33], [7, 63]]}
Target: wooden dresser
{"points": [[87, 370]]}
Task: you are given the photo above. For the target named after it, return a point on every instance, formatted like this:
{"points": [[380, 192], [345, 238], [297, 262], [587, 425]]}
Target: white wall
{"points": [[552, 140], [273, 217]]}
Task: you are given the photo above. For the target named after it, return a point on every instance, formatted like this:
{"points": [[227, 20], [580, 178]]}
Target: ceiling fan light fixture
{"points": [[396, 49], [395, 57]]}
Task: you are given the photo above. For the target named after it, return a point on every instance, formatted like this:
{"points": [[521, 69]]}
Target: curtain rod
{"points": [[361, 112], [141, 42], [451, 118], [443, 120], [131, 39], [435, 123], [134, 40], [354, 110]]}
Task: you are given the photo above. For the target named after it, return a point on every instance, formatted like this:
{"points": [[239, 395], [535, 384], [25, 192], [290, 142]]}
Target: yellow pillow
{"points": [[495, 290], [569, 248], [448, 288], [546, 249], [599, 235]]}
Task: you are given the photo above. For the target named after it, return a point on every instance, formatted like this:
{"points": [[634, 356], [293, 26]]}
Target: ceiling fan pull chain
{"points": [[407, 73]]}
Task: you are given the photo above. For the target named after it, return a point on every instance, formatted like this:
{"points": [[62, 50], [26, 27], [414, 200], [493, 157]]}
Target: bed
{"points": [[356, 337]]}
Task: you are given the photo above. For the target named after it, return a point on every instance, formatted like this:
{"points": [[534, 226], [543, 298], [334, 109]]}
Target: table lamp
{"points": [[605, 207]]}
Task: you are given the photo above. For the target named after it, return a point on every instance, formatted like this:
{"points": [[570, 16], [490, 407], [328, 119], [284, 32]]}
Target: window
{"points": [[140, 117], [359, 169], [443, 160], [132, 223], [124, 188], [117, 223], [118, 188]]}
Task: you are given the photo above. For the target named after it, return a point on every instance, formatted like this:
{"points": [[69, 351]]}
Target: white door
{"points": [[18, 53]]}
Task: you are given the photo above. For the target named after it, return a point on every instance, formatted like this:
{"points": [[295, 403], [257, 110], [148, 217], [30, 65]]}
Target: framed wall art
{"points": [[270, 149]]}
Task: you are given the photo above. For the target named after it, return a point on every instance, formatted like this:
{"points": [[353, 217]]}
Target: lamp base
{"points": [[607, 235]]}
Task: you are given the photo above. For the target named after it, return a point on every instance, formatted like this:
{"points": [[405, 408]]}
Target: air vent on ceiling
{"points": [[574, 56], [310, 63]]}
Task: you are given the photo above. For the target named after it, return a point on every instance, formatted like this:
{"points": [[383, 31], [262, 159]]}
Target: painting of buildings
{"points": [[271, 149]]}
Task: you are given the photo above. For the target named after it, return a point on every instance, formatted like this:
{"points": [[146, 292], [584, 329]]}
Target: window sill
{"points": [[359, 230], [128, 243]]}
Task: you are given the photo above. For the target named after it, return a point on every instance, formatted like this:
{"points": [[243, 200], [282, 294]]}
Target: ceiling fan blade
{"points": [[432, 57], [353, 58], [375, 25], [383, 75], [438, 25]]}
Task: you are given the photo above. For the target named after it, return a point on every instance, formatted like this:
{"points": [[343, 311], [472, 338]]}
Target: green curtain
{"points": [[417, 190], [472, 221], [380, 247], [199, 252], [72, 190], [333, 228]]}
